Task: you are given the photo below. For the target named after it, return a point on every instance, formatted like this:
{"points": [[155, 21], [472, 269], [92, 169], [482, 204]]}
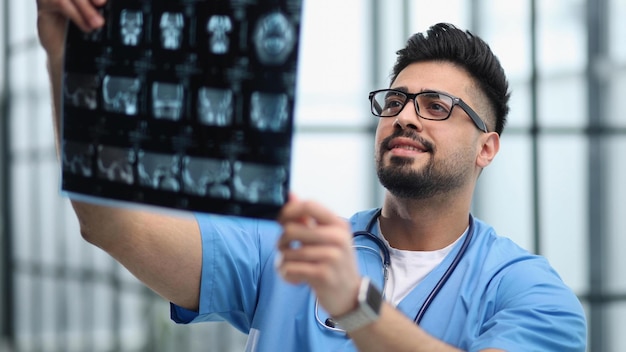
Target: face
{"points": [[418, 158]]}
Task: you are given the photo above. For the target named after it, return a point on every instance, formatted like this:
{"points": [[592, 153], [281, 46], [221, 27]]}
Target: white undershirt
{"points": [[409, 268]]}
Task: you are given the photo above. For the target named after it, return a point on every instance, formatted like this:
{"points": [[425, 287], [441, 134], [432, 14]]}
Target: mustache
{"points": [[407, 134]]}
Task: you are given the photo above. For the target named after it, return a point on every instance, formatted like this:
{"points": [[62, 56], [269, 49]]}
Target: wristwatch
{"points": [[367, 311]]}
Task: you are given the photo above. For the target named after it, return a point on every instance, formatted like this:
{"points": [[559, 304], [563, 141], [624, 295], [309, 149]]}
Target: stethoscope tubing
{"points": [[444, 278], [386, 258]]}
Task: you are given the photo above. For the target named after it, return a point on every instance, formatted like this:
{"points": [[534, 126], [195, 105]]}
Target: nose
{"points": [[408, 118]]}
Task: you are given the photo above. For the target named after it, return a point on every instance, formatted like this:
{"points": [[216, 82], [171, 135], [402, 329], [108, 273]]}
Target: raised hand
{"points": [[316, 248], [52, 17]]}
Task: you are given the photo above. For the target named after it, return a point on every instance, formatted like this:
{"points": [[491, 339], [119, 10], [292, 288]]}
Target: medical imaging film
{"points": [[185, 104]]}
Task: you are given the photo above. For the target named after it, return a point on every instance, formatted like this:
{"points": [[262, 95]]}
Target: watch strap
{"points": [[367, 311]]}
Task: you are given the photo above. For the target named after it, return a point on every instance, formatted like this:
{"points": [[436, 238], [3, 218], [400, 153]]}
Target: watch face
{"points": [[374, 298]]}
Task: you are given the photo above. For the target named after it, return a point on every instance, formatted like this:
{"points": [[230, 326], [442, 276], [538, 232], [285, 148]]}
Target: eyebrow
{"points": [[404, 89]]}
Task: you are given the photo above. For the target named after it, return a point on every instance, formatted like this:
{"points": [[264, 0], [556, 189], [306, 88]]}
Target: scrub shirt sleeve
{"points": [[234, 253], [533, 311]]}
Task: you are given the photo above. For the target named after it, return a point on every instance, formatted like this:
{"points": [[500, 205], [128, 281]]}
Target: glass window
{"points": [[615, 211], [563, 204], [424, 13], [520, 114], [562, 101], [504, 195], [335, 169], [616, 321], [503, 23], [561, 36], [332, 86], [23, 21], [614, 102], [617, 32]]}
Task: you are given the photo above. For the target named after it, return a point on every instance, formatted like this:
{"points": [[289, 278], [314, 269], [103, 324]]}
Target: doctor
{"points": [[306, 282]]}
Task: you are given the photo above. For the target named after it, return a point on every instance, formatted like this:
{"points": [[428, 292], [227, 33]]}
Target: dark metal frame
{"points": [[6, 285], [597, 49]]}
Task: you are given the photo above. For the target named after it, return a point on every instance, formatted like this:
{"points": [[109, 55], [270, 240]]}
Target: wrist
{"points": [[366, 310]]}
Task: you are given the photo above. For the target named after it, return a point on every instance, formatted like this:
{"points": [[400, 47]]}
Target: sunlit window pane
{"points": [[335, 169], [562, 101], [504, 197], [616, 321], [563, 201], [332, 84], [505, 25], [561, 36], [425, 13], [617, 32]]}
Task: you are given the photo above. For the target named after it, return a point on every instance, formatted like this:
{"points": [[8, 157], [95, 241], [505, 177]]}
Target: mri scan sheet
{"points": [[184, 104]]}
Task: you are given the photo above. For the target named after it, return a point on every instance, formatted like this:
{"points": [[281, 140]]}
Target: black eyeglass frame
{"points": [[411, 96]]}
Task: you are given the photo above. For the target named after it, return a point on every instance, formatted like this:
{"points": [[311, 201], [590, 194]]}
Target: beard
{"points": [[437, 177]]}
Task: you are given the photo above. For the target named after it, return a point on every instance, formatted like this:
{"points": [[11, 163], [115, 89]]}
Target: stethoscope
{"points": [[385, 256]]}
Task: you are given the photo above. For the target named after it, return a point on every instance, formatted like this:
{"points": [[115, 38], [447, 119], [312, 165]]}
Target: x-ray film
{"points": [[185, 104]]}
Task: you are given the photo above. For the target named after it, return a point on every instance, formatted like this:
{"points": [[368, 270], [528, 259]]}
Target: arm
{"points": [[164, 252], [326, 261]]}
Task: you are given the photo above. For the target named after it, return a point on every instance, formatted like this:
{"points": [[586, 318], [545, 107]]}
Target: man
{"points": [[303, 283]]}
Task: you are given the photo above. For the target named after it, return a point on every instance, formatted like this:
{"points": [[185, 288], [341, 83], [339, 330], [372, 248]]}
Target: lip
{"points": [[406, 146]]}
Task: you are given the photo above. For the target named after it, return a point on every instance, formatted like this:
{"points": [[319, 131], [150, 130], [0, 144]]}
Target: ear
{"points": [[489, 148]]}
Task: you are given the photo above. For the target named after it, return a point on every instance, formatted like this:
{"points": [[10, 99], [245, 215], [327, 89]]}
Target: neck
{"points": [[424, 225]]}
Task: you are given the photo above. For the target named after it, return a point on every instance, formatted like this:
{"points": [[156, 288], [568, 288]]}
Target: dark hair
{"points": [[445, 42]]}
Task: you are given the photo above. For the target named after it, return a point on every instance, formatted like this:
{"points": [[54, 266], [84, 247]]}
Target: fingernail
{"points": [[97, 22]]}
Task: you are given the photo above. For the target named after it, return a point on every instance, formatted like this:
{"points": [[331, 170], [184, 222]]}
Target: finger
{"points": [[302, 272], [312, 254], [89, 13], [309, 211], [82, 12], [296, 235]]}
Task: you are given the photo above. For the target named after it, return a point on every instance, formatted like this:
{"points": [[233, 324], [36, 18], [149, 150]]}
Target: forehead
{"points": [[439, 76]]}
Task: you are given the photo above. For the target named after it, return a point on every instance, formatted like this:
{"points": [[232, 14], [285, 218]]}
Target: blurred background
{"points": [[557, 187]]}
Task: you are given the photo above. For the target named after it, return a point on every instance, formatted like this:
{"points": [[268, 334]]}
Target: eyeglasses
{"points": [[429, 105]]}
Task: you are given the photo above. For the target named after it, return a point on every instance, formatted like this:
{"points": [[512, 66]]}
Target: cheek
{"points": [[381, 133]]}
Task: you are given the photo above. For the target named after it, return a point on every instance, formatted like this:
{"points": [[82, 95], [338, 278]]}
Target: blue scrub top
{"points": [[499, 296]]}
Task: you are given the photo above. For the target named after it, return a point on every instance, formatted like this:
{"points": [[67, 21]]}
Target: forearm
{"points": [[163, 251], [55, 72]]}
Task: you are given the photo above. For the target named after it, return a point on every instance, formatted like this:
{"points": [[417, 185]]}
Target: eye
{"points": [[393, 102], [435, 106]]}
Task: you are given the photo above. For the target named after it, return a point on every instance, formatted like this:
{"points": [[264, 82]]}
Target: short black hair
{"points": [[445, 42]]}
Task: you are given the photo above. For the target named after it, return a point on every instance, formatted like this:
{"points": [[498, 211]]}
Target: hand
{"points": [[52, 16], [316, 248]]}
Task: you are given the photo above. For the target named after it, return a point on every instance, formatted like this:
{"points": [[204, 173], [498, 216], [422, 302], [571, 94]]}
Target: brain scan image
{"points": [[116, 164], [274, 39], [207, 177], [120, 94], [269, 111], [215, 106], [81, 90], [131, 23], [219, 27], [171, 26], [183, 104], [258, 183], [158, 171], [167, 101], [77, 158]]}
